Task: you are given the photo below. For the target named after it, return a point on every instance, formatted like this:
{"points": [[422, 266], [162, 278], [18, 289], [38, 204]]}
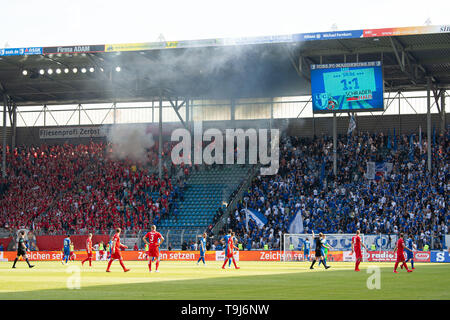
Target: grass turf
{"points": [[254, 281]]}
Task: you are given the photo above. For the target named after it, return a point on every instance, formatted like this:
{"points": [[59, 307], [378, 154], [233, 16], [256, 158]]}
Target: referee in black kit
{"points": [[22, 250], [318, 254]]}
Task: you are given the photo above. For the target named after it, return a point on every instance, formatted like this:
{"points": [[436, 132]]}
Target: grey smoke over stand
{"points": [[130, 141]]}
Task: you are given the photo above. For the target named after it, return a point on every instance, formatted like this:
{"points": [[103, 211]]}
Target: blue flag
{"points": [[411, 148], [389, 140], [395, 141], [322, 173]]}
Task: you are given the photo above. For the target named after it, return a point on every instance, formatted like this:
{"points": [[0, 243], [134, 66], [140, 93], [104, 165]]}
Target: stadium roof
{"points": [[220, 68]]}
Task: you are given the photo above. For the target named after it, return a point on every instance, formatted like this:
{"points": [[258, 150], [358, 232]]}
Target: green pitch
{"points": [[186, 280]]}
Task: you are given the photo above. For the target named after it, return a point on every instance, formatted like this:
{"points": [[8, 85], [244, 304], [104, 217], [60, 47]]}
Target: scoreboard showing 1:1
{"points": [[347, 87]]}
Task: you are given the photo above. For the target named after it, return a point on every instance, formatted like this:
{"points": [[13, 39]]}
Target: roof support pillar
{"points": [[5, 102], [429, 122], [160, 149], [334, 145], [14, 126], [442, 111]]}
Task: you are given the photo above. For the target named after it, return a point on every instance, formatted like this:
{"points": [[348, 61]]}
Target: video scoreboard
{"points": [[347, 87]]}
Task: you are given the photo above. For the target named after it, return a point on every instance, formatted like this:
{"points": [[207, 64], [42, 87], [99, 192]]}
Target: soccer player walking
{"points": [[115, 251], [410, 246], [230, 251], [22, 250], [399, 248], [325, 247], [101, 249], [66, 250], [202, 249], [88, 250], [224, 242], [318, 253], [72, 255], [306, 248], [356, 248], [155, 239]]}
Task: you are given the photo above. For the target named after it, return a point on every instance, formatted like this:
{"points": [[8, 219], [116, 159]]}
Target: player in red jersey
{"points": [[115, 251], [230, 250], [356, 248], [155, 239], [399, 248], [88, 250]]}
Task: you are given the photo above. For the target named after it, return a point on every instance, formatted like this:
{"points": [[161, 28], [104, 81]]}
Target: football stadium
{"points": [[303, 166]]}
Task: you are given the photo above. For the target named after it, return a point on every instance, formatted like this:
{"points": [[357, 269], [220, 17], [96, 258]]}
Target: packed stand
{"points": [[408, 199], [81, 188]]}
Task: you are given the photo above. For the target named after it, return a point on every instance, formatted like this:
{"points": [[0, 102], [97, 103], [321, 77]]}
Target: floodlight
{"points": [[118, 69], [83, 70], [49, 71], [24, 72], [42, 71], [74, 70], [91, 69], [58, 71]]}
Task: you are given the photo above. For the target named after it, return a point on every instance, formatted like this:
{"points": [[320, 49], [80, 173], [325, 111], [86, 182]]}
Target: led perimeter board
{"points": [[347, 87]]}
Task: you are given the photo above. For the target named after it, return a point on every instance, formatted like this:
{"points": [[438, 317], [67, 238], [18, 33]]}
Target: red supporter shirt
{"points": [[153, 237]]}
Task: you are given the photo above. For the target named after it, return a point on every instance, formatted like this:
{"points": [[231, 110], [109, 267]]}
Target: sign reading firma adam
{"points": [[74, 49]]}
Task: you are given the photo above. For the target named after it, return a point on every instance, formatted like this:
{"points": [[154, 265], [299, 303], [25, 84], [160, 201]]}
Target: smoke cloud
{"points": [[130, 141]]}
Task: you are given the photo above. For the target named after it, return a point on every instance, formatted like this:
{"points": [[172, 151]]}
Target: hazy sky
{"points": [[65, 22]]}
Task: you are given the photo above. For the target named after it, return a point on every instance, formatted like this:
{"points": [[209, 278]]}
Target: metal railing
{"points": [[233, 204]]}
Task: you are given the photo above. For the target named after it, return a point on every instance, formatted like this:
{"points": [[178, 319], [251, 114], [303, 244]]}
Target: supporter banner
{"points": [[377, 170], [20, 51], [52, 243], [447, 240], [74, 49], [381, 241], [71, 132], [440, 256]]}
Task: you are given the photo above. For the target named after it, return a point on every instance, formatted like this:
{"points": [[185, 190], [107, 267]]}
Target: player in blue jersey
{"points": [[410, 245], [306, 249], [202, 249], [224, 242], [66, 249]]}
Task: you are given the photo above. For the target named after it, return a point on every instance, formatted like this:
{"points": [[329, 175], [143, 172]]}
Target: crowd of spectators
{"points": [[86, 188], [408, 199]]}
